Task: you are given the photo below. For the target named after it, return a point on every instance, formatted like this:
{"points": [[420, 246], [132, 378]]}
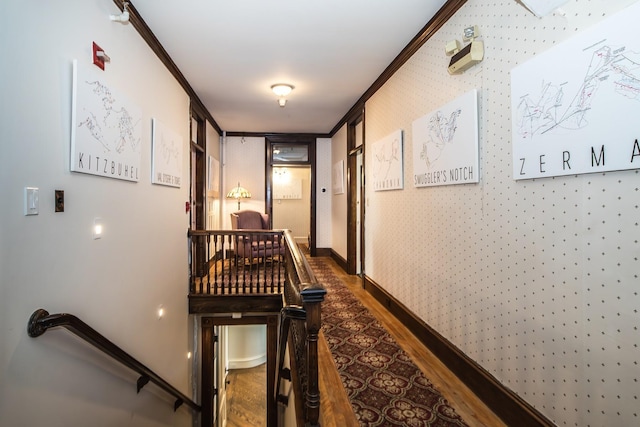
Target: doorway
{"points": [[296, 156], [244, 375], [292, 200], [355, 195], [215, 402]]}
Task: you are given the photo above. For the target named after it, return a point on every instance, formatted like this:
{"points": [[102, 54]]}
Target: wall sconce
{"points": [[98, 228], [239, 193], [463, 58], [282, 90]]}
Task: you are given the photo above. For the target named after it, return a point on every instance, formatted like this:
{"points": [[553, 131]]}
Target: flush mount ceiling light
{"points": [[282, 90]]}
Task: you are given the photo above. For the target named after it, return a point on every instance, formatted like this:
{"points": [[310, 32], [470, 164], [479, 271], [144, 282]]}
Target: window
{"points": [[288, 153]]}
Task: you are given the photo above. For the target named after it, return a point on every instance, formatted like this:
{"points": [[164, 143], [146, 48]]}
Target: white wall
{"points": [[323, 193], [339, 201], [535, 280], [214, 180], [244, 162], [247, 346], [51, 261], [293, 214]]}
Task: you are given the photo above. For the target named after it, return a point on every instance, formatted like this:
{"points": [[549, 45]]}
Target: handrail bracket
{"points": [[142, 381], [34, 327]]}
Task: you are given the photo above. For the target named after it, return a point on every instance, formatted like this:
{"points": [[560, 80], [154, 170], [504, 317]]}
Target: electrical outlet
{"points": [[59, 201]]}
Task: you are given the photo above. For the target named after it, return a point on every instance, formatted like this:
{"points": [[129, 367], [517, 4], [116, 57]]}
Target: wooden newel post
{"points": [[312, 299]]}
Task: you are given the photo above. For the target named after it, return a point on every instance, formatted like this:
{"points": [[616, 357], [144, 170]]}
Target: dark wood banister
{"points": [[40, 321], [310, 294]]}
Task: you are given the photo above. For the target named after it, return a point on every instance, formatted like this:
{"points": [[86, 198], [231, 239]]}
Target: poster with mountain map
{"points": [[575, 107], [106, 128], [445, 144]]}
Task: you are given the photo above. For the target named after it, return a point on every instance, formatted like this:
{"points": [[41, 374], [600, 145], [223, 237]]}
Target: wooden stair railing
{"points": [[41, 321], [216, 268], [303, 296], [217, 272]]}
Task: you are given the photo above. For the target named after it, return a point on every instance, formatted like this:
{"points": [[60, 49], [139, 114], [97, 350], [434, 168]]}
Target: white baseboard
{"points": [[247, 363]]}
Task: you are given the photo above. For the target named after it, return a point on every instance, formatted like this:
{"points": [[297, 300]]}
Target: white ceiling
{"points": [[332, 51]]}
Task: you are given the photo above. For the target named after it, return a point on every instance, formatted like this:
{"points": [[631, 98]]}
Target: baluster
{"points": [[239, 269], [196, 261], [273, 260], [226, 255], [192, 276], [218, 272], [280, 262], [207, 260], [226, 258], [231, 282], [250, 272], [225, 245], [205, 263], [265, 240]]}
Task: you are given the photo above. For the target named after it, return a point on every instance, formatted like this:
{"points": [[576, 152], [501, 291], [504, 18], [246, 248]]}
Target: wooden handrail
{"points": [[40, 321], [302, 289]]}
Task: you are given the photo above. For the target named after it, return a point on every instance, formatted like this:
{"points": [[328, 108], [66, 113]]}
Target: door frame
{"points": [[197, 206], [207, 382], [352, 192], [310, 142]]}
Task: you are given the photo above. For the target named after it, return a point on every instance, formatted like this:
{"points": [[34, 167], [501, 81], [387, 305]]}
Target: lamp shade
{"points": [[238, 193]]}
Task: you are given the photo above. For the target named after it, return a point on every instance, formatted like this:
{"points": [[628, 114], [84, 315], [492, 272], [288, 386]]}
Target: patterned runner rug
{"points": [[384, 386]]}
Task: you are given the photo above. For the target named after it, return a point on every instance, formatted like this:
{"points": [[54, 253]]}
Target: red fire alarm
{"points": [[99, 57], [187, 207]]}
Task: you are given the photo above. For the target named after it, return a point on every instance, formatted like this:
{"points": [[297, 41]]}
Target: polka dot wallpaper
{"points": [[536, 280]]}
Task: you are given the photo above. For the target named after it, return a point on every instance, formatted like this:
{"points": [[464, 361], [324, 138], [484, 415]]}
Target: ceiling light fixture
{"points": [[282, 90]]}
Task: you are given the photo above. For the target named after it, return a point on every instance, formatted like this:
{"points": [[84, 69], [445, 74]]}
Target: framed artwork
{"points": [[581, 116], [445, 144], [213, 177], [289, 190], [338, 177], [106, 128], [388, 163], [166, 155]]}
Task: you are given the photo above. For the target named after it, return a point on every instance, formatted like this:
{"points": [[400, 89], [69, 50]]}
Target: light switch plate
{"points": [[31, 201]]}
